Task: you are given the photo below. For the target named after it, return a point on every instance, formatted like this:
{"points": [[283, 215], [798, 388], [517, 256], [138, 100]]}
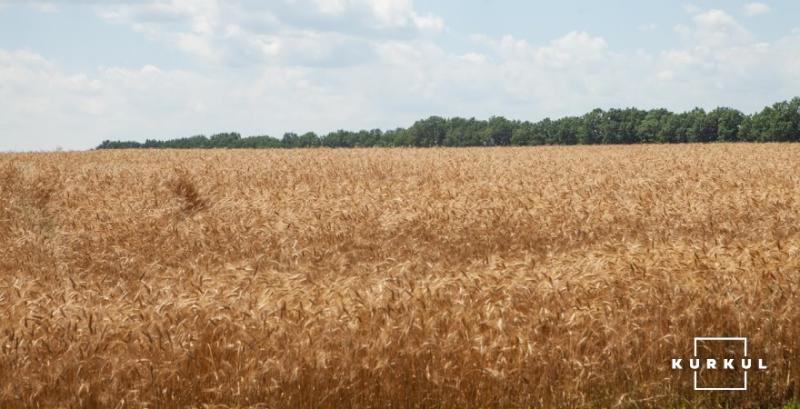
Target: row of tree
{"points": [[779, 122]]}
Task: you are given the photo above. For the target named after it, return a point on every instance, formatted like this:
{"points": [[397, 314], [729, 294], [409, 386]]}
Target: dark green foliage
{"points": [[779, 122], [727, 122]]}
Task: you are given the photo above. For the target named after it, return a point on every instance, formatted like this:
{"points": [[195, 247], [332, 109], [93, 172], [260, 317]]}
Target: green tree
{"points": [[428, 132], [778, 122], [728, 121], [589, 131], [652, 126], [498, 131]]}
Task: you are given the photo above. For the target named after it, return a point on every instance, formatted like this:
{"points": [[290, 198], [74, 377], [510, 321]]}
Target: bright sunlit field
{"points": [[458, 278]]}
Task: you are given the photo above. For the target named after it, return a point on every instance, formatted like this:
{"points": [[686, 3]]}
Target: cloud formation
{"points": [[753, 9], [288, 32], [296, 66]]}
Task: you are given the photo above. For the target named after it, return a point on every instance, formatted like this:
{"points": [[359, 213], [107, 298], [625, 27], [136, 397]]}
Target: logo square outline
{"points": [[694, 352]]}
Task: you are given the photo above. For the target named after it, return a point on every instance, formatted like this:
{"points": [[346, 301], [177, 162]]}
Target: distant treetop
{"points": [[779, 122]]}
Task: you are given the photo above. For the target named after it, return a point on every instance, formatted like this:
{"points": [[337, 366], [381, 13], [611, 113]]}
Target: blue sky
{"points": [[73, 73]]}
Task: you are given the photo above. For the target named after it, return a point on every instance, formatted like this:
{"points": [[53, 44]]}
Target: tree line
{"points": [[778, 122]]}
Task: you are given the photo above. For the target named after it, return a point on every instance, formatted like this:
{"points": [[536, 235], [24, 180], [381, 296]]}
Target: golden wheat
{"points": [[447, 278]]}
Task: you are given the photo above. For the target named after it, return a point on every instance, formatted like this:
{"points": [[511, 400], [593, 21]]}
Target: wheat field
{"points": [[556, 277]]}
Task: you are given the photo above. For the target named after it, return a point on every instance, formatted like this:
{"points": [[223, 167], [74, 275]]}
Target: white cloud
{"points": [[374, 14], [303, 32], [474, 58], [714, 29], [428, 23], [56, 108], [752, 9], [573, 48], [291, 68]]}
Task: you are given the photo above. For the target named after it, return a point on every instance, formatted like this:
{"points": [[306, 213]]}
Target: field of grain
{"points": [[441, 278]]}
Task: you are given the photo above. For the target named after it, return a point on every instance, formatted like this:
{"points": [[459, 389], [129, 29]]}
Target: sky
{"points": [[74, 73]]}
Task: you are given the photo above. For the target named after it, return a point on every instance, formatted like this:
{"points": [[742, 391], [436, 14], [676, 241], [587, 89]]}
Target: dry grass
{"points": [[445, 278]]}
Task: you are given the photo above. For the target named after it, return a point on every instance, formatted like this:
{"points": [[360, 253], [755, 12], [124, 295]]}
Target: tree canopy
{"points": [[778, 122]]}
